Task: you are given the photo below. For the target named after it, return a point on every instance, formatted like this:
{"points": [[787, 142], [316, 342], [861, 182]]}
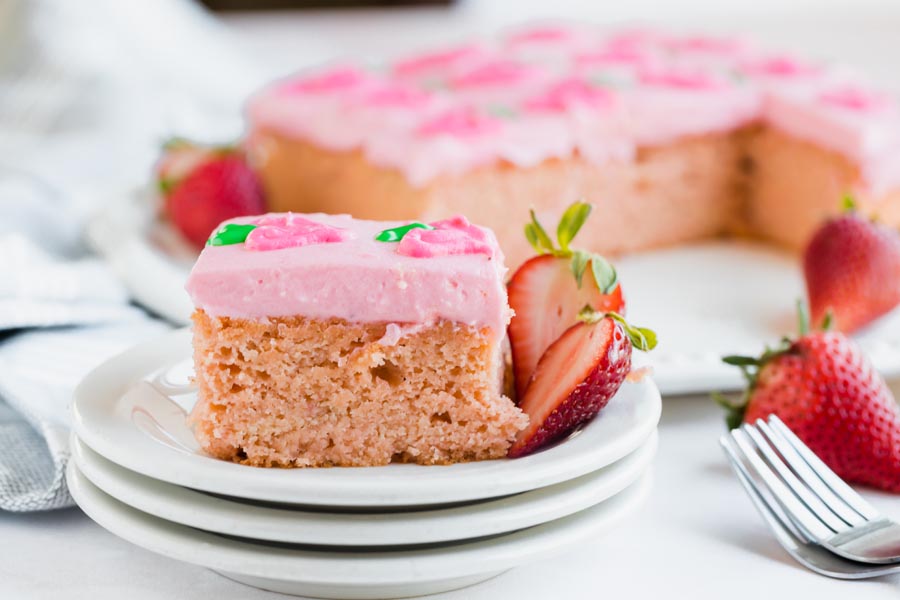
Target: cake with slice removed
{"points": [[671, 137]]}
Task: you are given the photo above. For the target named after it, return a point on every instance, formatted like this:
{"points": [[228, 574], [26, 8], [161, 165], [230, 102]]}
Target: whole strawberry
{"points": [[203, 186], [852, 269], [823, 388]]}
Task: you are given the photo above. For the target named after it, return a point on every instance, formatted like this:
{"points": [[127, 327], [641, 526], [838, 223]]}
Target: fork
{"points": [[812, 556], [824, 509]]}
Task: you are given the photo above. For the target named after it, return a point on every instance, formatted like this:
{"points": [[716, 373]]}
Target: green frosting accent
{"points": [[396, 234], [230, 233]]}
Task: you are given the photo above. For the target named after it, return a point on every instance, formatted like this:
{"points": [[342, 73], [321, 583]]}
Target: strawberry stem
{"points": [[641, 338], [848, 203], [802, 318]]}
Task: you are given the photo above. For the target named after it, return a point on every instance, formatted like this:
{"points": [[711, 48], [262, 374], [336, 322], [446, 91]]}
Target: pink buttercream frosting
{"points": [[274, 232], [459, 278], [450, 237], [556, 90]]}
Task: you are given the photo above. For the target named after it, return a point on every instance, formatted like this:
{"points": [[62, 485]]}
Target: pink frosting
{"points": [[552, 91], [568, 93], [462, 122], [450, 237], [437, 61], [357, 279], [274, 232], [495, 73]]}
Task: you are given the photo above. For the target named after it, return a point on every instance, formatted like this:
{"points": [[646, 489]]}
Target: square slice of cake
{"points": [[324, 340]]}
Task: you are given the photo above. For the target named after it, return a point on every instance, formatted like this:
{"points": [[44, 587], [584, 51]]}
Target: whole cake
{"points": [[672, 138], [323, 340]]}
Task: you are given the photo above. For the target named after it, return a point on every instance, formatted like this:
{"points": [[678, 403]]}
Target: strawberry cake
{"points": [[323, 340], [672, 137]]}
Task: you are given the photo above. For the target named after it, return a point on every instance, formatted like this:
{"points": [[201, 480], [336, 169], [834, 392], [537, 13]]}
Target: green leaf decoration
{"points": [[395, 234], [229, 234], [604, 274], [570, 223], [828, 321], [580, 260]]}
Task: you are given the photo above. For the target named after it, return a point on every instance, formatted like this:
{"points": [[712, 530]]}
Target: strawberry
{"points": [[577, 376], [549, 290], [823, 388], [203, 186], [852, 268]]}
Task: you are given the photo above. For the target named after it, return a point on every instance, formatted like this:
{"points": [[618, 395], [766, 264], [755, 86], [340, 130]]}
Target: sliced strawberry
{"points": [[546, 299], [574, 379]]}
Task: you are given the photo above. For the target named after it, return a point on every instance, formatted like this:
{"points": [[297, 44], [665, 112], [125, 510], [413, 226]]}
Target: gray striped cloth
{"points": [[59, 318]]}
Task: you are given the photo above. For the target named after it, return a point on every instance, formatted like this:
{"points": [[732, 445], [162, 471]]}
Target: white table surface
{"points": [[698, 534]]}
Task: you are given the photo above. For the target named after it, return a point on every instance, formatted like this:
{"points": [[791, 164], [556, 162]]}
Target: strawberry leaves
{"points": [[570, 224], [641, 338]]}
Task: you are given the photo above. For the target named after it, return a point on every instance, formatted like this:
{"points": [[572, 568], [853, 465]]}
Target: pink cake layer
{"points": [[356, 279], [553, 92]]}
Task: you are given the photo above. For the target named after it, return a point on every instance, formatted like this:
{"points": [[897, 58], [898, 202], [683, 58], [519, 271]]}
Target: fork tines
{"points": [[783, 469]]}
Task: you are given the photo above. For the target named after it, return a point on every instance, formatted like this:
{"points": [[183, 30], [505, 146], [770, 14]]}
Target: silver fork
{"points": [[824, 509], [812, 556]]}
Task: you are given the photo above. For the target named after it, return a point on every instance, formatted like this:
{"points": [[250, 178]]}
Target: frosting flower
{"points": [[275, 232], [780, 66], [855, 99], [435, 61], [335, 80], [495, 74], [454, 236], [680, 79], [569, 93], [464, 122], [546, 34], [622, 55], [393, 95]]}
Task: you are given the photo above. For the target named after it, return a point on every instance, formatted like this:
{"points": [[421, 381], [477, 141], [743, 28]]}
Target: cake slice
{"points": [[322, 340]]}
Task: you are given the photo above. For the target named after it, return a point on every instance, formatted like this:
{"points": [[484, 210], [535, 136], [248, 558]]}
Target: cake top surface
{"points": [[333, 266], [551, 91]]}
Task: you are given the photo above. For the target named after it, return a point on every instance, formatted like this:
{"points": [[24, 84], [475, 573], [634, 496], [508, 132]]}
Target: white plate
{"points": [[348, 574], [725, 297], [704, 300], [267, 522], [128, 411]]}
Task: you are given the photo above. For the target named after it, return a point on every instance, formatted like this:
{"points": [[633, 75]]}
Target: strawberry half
{"points": [[576, 377], [852, 269], [823, 388], [548, 291], [204, 186]]}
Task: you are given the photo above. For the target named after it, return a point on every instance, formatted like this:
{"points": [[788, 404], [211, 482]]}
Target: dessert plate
{"points": [[281, 524], [350, 574], [131, 411], [704, 300]]}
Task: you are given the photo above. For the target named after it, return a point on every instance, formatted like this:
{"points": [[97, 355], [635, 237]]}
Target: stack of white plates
{"points": [[376, 532]]}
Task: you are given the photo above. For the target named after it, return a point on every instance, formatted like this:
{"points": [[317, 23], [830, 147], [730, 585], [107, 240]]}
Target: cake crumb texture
{"points": [[298, 392]]}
